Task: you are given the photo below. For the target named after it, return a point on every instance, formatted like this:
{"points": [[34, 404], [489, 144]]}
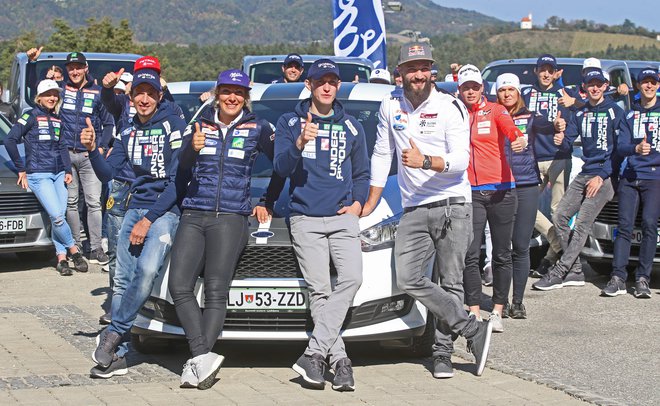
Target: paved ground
{"points": [[575, 346]]}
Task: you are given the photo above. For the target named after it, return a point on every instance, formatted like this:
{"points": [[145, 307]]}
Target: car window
{"points": [[189, 103], [617, 77], [5, 126], [268, 72], [572, 75]]}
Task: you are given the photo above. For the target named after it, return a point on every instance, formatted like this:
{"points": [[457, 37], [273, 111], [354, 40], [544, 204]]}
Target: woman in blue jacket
{"points": [[47, 168], [215, 166]]}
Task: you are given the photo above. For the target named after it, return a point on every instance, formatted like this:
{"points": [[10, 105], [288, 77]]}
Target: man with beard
{"points": [[430, 133]]}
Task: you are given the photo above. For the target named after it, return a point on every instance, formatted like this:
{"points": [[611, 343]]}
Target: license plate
{"points": [[268, 299], [636, 237], [13, 225]]}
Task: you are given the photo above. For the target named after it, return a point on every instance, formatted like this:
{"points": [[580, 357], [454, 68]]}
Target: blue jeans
{"points": [[137, 267], [630, 194], [115, 211], [51, 192]]}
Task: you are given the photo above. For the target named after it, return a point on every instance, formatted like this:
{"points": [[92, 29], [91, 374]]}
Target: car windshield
{"points": [[365, 111], [97, 69], [189, 103], [267, 72], [572, 75]]}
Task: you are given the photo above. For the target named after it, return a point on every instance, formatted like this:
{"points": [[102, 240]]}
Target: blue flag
{"points": [[360, 30]]}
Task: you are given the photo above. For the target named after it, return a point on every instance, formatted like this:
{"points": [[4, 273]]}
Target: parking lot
{"points": [[575, 347]]}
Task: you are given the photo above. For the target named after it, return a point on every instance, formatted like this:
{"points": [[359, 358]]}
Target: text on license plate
{"points": [[13, 225], [267, 299], [636, 237]]}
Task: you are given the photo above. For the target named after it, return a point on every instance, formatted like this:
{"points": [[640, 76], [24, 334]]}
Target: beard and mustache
{"points": [[417, 96]]}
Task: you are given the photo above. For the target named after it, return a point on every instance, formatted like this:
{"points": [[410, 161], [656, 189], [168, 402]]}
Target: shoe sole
{"points": [[96, 261], [487, 283], [617, 293], [443, 375], [643, 295], [551, 287], [575, 283], [117, 372], [187, 385], [519, 316], [484, 354], [343, 388], [301, 371], [207, 382]]}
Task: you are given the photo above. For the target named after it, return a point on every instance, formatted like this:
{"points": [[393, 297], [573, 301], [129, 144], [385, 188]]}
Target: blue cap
{"points": [[547, 59], [321, 68], [149, 76], [595, 74], [434, 69], [233, 77], [293, 58], [648, 73]]}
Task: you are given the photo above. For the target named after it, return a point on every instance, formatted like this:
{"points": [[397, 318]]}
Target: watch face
{"points": [[426, 164]]}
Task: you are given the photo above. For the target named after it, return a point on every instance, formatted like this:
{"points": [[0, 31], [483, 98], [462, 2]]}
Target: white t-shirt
{"points": [[439, 127], [225, 127]]}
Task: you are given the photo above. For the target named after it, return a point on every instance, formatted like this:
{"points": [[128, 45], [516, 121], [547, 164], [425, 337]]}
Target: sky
{"points": [[641, 12]]}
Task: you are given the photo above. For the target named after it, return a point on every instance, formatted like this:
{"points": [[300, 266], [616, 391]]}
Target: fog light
{"points": [[392, 306]]}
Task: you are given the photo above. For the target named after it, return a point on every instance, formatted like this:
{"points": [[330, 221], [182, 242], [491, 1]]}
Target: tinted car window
{"points": [[572, 73], [267, 72], [5, 126]]}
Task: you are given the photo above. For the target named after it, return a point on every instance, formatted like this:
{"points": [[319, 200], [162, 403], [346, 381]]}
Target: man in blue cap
{"points": [[150, 144], [323, 151], [292, 69]]}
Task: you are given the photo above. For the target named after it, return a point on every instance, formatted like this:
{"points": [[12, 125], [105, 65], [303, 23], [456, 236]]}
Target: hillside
{"points": [[574, 42], [225, 21]]}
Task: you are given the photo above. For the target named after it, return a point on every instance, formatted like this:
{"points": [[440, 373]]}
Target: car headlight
{"points": [[381, 235]]}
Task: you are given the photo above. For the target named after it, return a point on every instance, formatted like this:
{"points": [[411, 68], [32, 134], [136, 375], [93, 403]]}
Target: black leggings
{"points": [[211, 242], [499, 209], [528, 204]]}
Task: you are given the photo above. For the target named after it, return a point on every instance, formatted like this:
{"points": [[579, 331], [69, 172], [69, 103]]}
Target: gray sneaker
{"points": [[518, 311], [98, 257], [343, 380], [496, 322], [642, 290], [615, 287], [442, 367], [549, 281], [574, 279], [79, 263], [206, 367], [106, 343], [312, 369], [542, 269], [479, 344], [116, 367], [188, 377]]}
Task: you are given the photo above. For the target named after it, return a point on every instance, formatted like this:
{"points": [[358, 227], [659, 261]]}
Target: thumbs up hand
{"points": [[412, 157], [566, 100], [33, 53], [88, 135], [111, 78], [560, 123], [643, 148], [558, 138], [199, 139], [519, 144], [309, 132]]}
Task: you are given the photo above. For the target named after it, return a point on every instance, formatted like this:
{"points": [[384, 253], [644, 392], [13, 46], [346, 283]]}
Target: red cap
{"points": [[147, 62]]}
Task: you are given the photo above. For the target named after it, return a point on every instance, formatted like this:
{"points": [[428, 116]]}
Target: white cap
{"points": [[591, 63], [46, 85], [607, 75], [126, 77], [120, 86], [469, 73], [507, 79], [449, 77], [380, 75]]}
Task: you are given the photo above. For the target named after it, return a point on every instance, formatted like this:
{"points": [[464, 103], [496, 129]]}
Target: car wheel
{"points": [[36, 256], [150, 345], [422, 346]]}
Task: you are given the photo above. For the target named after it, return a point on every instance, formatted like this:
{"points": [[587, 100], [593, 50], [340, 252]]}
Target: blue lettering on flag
{"points": [[360, 30]]}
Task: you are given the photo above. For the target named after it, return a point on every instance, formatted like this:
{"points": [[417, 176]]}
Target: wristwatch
{"points": [[426, 164]]}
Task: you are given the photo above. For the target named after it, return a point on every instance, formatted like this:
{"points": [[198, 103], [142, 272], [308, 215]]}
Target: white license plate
{"points": [[13, 225], [636, 237], [267, 299]]}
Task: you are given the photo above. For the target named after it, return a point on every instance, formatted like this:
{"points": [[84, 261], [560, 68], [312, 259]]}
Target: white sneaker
{"points": [[476, 316], [206, 367], [496, 321], [188, 377]]}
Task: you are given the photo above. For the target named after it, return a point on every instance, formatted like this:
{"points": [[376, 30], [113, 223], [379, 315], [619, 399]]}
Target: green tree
{"points": [[64, 38]]}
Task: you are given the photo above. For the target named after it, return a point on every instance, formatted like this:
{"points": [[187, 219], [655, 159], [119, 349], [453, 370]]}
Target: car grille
{"points": [[258, 261], [610, 215], [242, 321], [19, 203], [28, 237]]}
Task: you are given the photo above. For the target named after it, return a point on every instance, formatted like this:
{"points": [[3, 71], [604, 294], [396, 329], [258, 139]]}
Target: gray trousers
{"points": [[573, 202], [317, 240], [444, 232], [84, 176]]}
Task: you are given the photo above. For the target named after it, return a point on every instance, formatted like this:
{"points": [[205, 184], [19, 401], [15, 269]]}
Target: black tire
{"points": [[422, 346], [150, 345], [36, 256]]}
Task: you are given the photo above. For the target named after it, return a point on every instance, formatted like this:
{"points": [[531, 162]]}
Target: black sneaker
{"points": [[98, 257], [542, 269], [518, 311], [106, 343], [642, 290], [63, 268], [549, 281], [116, 367], [479, 344], [574, 279], [312, 369], [105, 319], [615, 287], [343, 380], [506, 312], [442, 367], [79, 262]]}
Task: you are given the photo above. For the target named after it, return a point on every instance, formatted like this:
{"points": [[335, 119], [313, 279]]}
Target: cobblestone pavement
{"points": [[48, 324]]}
